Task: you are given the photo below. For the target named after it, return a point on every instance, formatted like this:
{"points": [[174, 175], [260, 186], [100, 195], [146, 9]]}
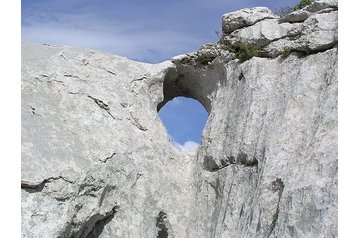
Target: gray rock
{"points": [[244, 17], [93, 146], [319, 32], [284, 180], [318, 5], [97, 161], [263, 33], [296, 16]]}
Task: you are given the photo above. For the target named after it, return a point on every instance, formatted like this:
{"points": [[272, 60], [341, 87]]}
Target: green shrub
{"points": [[302, 4], [245, 51], [284, 11]]}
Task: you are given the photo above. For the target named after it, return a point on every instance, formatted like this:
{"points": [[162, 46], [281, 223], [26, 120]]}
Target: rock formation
{"points": [[97, 162]]}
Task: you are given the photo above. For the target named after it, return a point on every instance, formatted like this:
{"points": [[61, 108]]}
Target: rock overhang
{"points": [[270, 135]]}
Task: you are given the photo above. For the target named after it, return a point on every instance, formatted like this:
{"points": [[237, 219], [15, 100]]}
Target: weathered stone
{"points": [[245, 17], [97, 162], [208, 53], [85, 123], [296, 16], [281, 104], [318, 5], [319, 32], [263, 33]]}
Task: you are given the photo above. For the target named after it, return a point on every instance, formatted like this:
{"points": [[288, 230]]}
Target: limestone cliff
{"points": [[97, 162]]}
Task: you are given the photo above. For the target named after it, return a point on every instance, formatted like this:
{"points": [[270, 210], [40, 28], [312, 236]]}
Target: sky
{"points": [[142, 30], [149, 31], [184, 119]]}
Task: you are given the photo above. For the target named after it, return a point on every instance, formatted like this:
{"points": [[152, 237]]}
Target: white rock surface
{"points": [[318, 5], [263, 33], [319, 32], [296, 16], [97, 162], [271, 144], [300, 31], [245, 17], [93, 145]]}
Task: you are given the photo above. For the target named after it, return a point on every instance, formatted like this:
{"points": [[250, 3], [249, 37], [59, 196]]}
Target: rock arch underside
{"points": [[96, 160]]}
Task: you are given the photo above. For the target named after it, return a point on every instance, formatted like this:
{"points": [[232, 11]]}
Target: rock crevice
{"points": [[267, 163]]}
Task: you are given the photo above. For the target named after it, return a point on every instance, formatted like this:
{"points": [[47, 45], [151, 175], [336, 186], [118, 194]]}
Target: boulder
{"points": [[244, 17], [318, 5], [263, 33], [296, 16]]}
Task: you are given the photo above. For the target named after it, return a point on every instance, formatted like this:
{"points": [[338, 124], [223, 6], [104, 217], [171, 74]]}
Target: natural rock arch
{"points": [[192, 81]]}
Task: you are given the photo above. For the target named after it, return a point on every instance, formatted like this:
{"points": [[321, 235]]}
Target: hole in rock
{"points": [[161, 225], [184, 118]]}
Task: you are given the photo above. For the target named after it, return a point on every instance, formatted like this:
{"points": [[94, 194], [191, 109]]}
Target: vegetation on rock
{"points": [[286, 52], [284, 11], [245, 51], [302, 4]]}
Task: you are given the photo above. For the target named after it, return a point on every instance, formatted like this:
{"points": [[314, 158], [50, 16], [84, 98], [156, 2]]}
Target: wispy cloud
{"points": [[139, 29], [136, 40], [146, 38], [176, 100], [188, 147], [153, 46]]}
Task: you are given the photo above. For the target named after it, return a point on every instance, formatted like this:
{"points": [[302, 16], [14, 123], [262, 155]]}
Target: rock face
{"points": [[245, 17], [97, 162]]}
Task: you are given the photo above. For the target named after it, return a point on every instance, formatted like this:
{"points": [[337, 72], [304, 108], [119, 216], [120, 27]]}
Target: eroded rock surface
{"points": [[96, 160], [245, 17]]}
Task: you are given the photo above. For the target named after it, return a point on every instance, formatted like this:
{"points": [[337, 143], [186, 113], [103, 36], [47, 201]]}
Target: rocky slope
{"points": [[97, 162]]}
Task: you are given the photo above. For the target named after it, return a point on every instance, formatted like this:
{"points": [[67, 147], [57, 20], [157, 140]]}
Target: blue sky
{"points": [[186, 113], [148, 31]]}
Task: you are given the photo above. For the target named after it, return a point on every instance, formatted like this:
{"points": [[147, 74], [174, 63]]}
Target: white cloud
{"points": [[176, 100], [188, 147], [140, 31], [160, 44], [136, 39]]}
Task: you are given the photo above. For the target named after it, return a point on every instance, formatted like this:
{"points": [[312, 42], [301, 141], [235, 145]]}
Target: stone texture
{"points": [[245, 17], [318, 5], [273, 161], [263, 33], [296, 16], [93, 146], [97, 162], [319, 32]]}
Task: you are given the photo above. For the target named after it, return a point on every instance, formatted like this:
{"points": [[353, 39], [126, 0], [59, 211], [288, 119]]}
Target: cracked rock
{"points": [[245, 17], [296, 16], [267, 163], [263, 33], [319, 33]]}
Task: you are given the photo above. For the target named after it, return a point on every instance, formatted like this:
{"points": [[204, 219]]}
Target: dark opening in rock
{"points": [[243, 159], [210, 163], [161, 225], [187, 84]]}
